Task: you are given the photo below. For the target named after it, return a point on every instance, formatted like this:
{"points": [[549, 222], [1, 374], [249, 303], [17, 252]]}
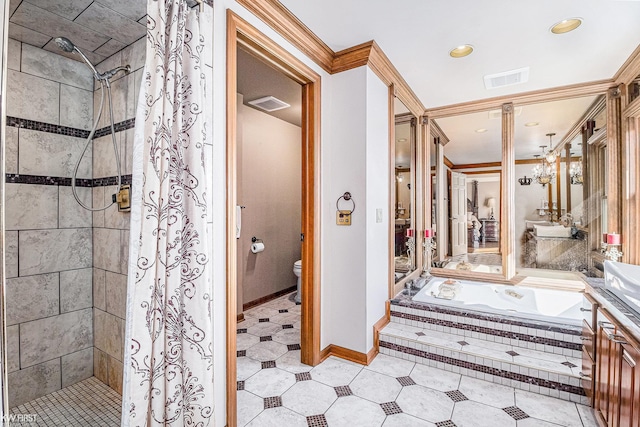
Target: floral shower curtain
{"points": [[168, 366]]}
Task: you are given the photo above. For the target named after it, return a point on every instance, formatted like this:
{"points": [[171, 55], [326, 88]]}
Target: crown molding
{"points": [[544, 95], [630, 69], [285, 23]]}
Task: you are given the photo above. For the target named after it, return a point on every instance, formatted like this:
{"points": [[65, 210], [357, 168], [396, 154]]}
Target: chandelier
{"points": [[550, 155], [543, 173], [576, 172]]}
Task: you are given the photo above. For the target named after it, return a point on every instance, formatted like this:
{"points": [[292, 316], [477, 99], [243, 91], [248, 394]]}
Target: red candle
{"points": [[613, 239], [604, 237], [427, 233], [409, 232]]}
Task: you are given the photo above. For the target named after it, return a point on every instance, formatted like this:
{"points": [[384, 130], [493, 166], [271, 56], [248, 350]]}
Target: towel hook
{"points": [[347, 197]]}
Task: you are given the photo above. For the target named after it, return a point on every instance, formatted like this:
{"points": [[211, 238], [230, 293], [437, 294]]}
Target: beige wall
{"points": [[269, 175]]}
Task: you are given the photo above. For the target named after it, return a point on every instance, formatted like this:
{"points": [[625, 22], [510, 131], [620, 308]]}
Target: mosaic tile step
{"points": [[520, 333], [548, 374]]}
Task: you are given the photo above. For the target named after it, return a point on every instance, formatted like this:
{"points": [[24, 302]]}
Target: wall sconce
{"points": [[491, 203], [524, 180]]}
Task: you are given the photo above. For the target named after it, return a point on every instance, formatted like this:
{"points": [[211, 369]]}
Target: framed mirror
{"points": [[468, 189], [405, 249]]}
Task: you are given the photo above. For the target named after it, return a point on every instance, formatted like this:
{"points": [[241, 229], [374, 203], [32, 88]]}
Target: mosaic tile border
{"points": [[489, 331], [68, 131], [13, 178], [555, 385], [505, 320]]}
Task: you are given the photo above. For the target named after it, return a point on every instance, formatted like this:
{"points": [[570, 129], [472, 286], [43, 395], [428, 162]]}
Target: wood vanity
{"points": [[610, 365]]}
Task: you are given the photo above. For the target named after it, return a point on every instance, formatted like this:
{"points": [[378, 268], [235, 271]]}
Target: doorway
{"points": [[242, 35]]}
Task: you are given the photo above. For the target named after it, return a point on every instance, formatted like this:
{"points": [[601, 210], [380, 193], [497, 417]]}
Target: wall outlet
{"points": [[379, 215]]}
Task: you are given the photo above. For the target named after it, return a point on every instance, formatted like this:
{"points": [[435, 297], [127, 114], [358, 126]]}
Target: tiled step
{"points": [[550, 374], [528, 334]]}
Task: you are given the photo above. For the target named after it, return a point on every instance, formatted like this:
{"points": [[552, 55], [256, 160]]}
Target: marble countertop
{"points": [[628, 318]]}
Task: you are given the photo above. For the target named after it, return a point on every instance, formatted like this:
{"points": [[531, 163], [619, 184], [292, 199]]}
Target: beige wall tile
{"points": [[115, 374], [50, 154], [76, 107], [32, 297], [76, 289], [116, 296], [99, 289], [45, 251], [13, 55], [72, 215], [31, 207], [11, 254], [11, 150], [13, 348], [45, 339], [51, 66], [77, 366], [98, 197], [106, 249], [36, 381], [33, 98], [109, 333], [100, 369]]}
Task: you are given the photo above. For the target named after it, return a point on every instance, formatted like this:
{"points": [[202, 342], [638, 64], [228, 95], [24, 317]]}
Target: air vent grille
{"points": [[507, 78], [269, 104]]}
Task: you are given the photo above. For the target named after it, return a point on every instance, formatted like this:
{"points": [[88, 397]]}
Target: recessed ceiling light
{"points": [[402, 140], [531, 124], [461, 51], [482, 130], [566, 25]]}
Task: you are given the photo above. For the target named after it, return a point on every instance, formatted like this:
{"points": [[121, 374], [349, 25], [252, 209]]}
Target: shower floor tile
{"points": [[307, 398], [87, 403]]}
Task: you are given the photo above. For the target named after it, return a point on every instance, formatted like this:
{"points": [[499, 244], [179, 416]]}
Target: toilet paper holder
{"points": [[254, 239]]}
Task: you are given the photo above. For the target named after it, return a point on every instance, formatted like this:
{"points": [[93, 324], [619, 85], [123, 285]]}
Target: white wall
{"points": [[378, 175], [344, 252]]}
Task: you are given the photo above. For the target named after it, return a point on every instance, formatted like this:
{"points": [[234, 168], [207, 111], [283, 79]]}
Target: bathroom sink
{"points": [[623, 280], [552, 231]]}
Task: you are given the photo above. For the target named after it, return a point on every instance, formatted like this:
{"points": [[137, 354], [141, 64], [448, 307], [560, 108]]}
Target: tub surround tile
{"points": [[45, 251], [33, 382], [115, 374], [76, 107], [32, 298], [106, 252], [42, 202], [76, 289], [100, 365], [50, 154], [50, 66], [31, 16], [11, 150], [116, 294], [109, 333], [72, 215], [77, 366], [43, 96], [11, 254], [14, 51], [56, 336], [99, 289], [13, 348]]}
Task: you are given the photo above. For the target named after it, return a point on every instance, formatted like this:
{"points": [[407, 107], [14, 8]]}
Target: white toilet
{"points": [[297, 270]]}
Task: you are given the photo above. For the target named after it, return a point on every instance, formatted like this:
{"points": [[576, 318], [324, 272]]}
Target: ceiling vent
{"points": [[269, 104], [507, 78], [497, 114]]}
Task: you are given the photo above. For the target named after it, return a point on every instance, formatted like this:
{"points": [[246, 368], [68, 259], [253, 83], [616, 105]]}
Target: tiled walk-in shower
{"points": [[275, 389], [87, 403]]}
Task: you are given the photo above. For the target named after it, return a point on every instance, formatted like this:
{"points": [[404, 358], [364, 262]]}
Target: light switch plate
{"points": [[378, 215]]}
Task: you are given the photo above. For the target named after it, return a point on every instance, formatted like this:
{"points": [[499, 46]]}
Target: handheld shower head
{"points": [[65, 44]]}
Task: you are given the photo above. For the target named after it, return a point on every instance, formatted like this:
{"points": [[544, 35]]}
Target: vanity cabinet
{"points": [[617, 401]]}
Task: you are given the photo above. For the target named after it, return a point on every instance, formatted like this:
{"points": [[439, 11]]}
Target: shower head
{"points": [[65, 44]]}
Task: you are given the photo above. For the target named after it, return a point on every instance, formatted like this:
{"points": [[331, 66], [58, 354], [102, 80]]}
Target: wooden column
{"points": [[590, 195], [567, 175], [442, 198], [631, 167], [558, 188], [425, 173], [507, 194], [614, 161]]}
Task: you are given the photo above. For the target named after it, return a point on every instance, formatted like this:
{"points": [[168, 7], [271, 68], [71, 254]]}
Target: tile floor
{"points": [[275, 389], [87, 403]]}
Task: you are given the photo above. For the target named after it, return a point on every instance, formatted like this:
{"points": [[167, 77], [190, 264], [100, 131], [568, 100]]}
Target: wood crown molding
{"points": [[285, 23], [544, 95], [630, 69], [281, 20], [598, 105]]}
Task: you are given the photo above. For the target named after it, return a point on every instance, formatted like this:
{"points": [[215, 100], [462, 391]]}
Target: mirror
{"points": [[404, 183], [469, 169], [553, 197]]}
